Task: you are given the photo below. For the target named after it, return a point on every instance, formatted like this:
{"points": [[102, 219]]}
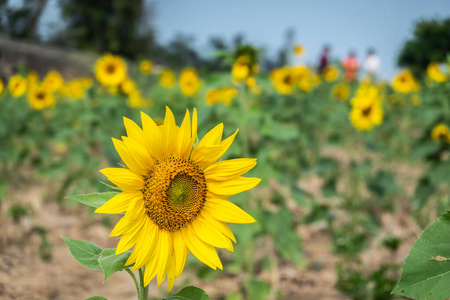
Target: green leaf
{"points": [[111, 263], [95, 199], [258, 289], [189, 293], [97, 298], [426, 270], [86, 253]]}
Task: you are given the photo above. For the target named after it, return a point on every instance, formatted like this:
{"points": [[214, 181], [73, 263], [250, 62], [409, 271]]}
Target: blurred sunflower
{"points": [[135, 100], [189, 82], [224, 95], [40, 97], [53, 81], [110, 70], [434, 72], [175, 196], [366, 108], [331, 73], [167, 79], [404, 82], [32, 79], [145, 67], [283, 80], [128, 86], [241, 68], [250, 81], [299, 50], [75, 89], [341, 91], [2, 86], [441, 133], [17, 86]]}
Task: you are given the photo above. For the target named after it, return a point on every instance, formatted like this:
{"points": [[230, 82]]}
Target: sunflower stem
{"points": [[134, 278], [143, 290]]}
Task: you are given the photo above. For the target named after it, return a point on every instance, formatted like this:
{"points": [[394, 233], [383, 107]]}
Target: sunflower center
{"points": [[366, 111], [110, 68], [40, 96], [174, 193], [287, 80]]}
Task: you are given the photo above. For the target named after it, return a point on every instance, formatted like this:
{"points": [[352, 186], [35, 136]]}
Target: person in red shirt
{"points": [[351, 66]]}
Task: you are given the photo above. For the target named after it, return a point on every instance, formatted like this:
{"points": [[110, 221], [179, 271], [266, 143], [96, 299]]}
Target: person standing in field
{"points": [[351, 66], [324, 59], [372, 64]]}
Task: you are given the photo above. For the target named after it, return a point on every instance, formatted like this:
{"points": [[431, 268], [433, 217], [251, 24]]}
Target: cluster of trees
{"points": [[125, 27]]}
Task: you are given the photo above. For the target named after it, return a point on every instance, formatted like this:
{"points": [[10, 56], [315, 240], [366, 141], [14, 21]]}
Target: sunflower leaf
{"points": [[189, 293], [426, 270], [111, 263], [96, 298], [95, 199], [86, 253]]}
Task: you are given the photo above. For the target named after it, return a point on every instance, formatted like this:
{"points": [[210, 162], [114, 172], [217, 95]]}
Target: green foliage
{"points": [[431, 43], [426, 270], [86, 253], [94, 199], [96, 298], [17, 211], [111, 263], [189, 293]]}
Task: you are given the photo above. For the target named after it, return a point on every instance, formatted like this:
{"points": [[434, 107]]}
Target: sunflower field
{"points": [[319, 185]]}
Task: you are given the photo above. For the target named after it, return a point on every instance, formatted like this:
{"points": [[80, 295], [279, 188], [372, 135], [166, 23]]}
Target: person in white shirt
{"points": [[372, 64]]}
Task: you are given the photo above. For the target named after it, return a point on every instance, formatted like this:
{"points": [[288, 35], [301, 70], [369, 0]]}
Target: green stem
{"points": [[143, 290], [134, 278]]}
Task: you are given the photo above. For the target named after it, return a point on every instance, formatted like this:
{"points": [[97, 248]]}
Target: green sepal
{"points": [[94, 200], [426, 270], [86, 253], [189, 293], [111, 263]]}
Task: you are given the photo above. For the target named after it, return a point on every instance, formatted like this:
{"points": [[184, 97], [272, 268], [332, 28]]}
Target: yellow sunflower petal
{"points": [[118, 204], [127, 157], [133, 130], [232, 187], [165, 251], [203, 251], [210, 234], [124, 179], [145, 247], [225, 211], [181, 252], [229, 169], [129, 239], [184, 142], [221, 226], [139, 153], [171, 271], [152, 136], [168, 133], [194, 124], [213, 137]]}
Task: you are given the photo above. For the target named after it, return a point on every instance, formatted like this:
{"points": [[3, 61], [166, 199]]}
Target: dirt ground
{"points": [[24, 275]]}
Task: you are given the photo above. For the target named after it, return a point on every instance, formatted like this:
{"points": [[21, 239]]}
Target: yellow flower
{"points": [[2, 86], [136, 101], [113, 89], [283, 80], [189, 82], [341, 91], [41, 97], [441, 133], [32, 79], [365, 116], [435, 73], [167, 79], [224, 95], [299, 50], [175, 196], [240, 71], [53, 81], [331, 73], [128, 86], [404, 82], [17, 86], [110, 70], [87, 82], [75, 89], [146, 67], [251, 81]]}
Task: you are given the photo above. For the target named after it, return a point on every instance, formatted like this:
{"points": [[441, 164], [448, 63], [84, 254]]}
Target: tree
{"points": [[431, 43]]}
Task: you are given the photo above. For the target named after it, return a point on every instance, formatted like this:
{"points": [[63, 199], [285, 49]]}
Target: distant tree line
{"points": [[125, 27]]}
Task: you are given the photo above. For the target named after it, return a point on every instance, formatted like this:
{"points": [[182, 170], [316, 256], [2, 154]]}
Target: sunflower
{"points": [[224, 95], [17, 86], [128, 86], [2, 86], [241, 68], [53, 81], [175, 196], [135, 100], [167, 79], [299, 50], [341, 91], [32, 79], [189, 82], [366, 108], [110, 70], [435, 73], [404, 82], [145, 67], [331, 73], [441, 133], [250, 81], [283, 80], [41, 97]]}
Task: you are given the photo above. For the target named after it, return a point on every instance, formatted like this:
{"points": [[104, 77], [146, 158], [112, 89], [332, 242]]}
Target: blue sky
{"points": [[344, 24]]}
